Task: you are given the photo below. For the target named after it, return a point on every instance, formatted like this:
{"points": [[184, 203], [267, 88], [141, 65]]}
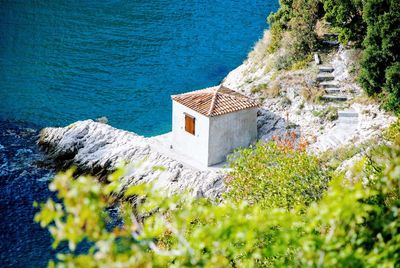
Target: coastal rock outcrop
{"points": [[99, 149], [288, 104]]}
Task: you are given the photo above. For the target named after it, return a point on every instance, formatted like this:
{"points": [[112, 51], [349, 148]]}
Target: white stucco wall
{"points": [[230, 131], [194, 146]]}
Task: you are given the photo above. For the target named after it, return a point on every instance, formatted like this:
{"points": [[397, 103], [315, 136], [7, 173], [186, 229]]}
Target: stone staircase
{"points": [[326, 81], [347, 122], [333, 91]]}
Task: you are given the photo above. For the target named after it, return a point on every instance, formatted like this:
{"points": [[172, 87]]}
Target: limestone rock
{"points": [[98, 149]]}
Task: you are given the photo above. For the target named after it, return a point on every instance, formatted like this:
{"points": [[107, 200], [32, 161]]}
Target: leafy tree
{"points": [[392, 86], [302, 27], [346, 15], [279, 22], [380, 62], [292, 28]]}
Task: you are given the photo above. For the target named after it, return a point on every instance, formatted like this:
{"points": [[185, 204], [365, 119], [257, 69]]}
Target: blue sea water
{"points": [[63, 61]]}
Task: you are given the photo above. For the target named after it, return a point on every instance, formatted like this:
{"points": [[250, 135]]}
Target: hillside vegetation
{"points": [[372, 25]]}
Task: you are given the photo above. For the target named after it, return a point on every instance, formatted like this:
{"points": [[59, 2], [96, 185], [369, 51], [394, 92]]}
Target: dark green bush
{"points": [[345, 15], [380, 61], [392, 86]]}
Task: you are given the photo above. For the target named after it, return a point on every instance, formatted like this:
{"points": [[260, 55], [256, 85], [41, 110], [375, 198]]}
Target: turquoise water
{"points": [[66, 61]]}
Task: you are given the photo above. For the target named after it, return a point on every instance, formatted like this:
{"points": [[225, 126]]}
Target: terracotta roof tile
{"points": [[215, 101]]}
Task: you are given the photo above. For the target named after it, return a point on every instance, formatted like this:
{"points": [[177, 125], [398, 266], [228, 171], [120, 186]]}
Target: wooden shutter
{"points": [[189, 124]]}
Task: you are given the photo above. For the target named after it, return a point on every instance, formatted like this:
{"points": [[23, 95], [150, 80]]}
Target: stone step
{"points": [[332, 142], [317, 59], [347, 113], [329, 84], [331, 35], [349, 122], [335, 139], [330, 43], [334, 98], [325, 77], [332, 91], [325, 69]]}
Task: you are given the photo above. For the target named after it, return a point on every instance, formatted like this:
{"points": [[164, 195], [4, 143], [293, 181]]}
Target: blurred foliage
{"points": [[332, 159], [355, 223]]}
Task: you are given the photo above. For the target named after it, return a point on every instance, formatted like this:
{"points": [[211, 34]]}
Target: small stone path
{"points": [[347, 122], [341, 133]]}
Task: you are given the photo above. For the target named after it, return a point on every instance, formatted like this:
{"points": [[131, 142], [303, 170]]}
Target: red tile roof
{"points": [[215, 101]]}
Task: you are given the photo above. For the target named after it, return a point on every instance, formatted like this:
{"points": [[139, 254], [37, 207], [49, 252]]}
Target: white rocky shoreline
{"points": [[98, 149]]}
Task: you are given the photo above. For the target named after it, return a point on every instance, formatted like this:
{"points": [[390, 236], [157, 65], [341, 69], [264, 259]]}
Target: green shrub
{"points": [[392, 86], [332, 159], [275, 178], [392, 134], [279, 23], [283, 62], [292, 28], [301, 64], [356, 225], [372, 74], [259, 88], [330, 113]]}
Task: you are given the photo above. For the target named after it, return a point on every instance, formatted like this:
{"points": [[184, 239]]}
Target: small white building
{"points": [[209, 124]]}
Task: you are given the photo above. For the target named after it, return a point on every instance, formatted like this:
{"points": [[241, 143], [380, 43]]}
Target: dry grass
{"points": [[259, 88], [330, 113], [260, 50], [302, 64], [364, 99], [274, 75], [274, 90], [270, 90], [321, 28], [311, 94]]}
